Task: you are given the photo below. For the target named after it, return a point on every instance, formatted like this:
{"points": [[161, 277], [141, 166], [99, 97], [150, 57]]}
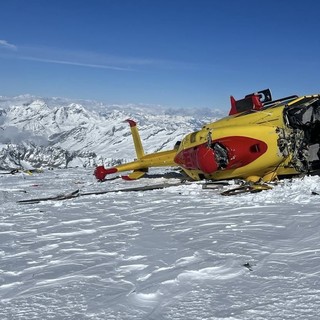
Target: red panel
{"points": [[243, 150], [233, 109], [200, 157], [206, 160]]}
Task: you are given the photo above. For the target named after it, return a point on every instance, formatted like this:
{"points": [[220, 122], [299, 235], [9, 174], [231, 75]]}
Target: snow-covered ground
{"points": [[177, 253]]}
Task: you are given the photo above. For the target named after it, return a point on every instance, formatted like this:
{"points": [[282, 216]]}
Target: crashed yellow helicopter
{"points": [[260, 140]]}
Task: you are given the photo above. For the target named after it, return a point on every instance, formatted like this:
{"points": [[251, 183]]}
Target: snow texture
{"points": [[179, 253]]}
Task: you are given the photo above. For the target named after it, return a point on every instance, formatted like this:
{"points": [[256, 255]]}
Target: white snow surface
{"points": [[175, 253]]}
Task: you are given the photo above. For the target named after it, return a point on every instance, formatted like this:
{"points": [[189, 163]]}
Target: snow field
{"points": [[177, 253]]}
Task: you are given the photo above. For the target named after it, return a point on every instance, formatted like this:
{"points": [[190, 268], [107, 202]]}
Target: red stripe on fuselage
{"points": [[241, 151]]}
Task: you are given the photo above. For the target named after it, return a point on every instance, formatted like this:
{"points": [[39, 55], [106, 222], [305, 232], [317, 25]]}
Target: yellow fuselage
{"points": [[262, 125]]}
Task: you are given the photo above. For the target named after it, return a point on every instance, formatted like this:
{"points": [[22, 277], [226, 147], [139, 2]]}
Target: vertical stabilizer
{"points": [[136, 138]]}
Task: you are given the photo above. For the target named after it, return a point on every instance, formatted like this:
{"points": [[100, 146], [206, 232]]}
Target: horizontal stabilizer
{"points": [[136, 174]]}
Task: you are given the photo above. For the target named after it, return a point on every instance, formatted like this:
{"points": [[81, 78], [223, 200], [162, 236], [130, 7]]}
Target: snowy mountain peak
{"points": [[27, 111], [75, 108], [72, 115], [38, 104], [94, 129]]}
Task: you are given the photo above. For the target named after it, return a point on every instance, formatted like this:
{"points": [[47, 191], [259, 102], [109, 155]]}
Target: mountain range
{"points": [[39, 132]]}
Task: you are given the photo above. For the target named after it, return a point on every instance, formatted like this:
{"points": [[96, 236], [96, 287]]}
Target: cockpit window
{"points": [[303, 114], [303, 117]]}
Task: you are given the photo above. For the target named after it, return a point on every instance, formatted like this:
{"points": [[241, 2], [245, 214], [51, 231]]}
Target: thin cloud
{"points": [[91, 59], [72, 63], [88, 59], [7, 45]]}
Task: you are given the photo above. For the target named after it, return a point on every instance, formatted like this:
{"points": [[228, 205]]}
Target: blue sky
{"points": [[181, 53]]}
